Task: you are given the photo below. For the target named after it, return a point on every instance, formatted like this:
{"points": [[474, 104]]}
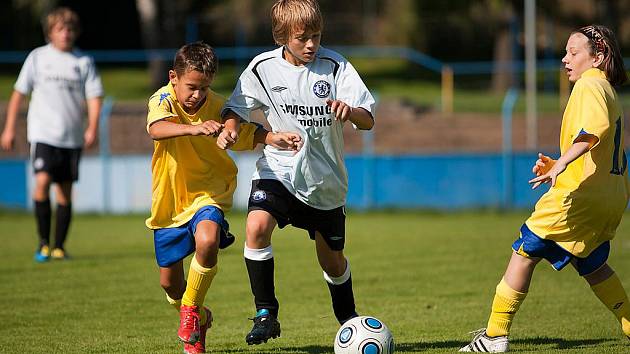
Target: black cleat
{"points": [[266, 326]]}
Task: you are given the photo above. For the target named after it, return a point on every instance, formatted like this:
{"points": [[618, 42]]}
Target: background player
{"points": [[193, 184], [301, 87], [61, 79], [576, 219]]}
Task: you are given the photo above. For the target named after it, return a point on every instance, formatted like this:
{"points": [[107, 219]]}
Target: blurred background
{"points": [[468, 91]]}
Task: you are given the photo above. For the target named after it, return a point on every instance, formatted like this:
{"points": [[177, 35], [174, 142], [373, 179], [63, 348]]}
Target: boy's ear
{"points": [[172, 77], [598, 59]]}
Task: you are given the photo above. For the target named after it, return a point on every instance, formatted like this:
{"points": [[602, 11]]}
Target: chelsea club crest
{"points": [[321, 89]]}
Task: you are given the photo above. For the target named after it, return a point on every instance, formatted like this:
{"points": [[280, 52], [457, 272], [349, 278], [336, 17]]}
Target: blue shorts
{"points": [[176, 243], [530, 245]]}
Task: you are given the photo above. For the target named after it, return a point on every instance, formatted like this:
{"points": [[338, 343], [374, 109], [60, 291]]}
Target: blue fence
{"points": [[442, 182]]}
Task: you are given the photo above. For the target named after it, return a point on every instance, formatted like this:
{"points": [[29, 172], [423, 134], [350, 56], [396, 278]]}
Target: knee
{"points": [[258, 233], [602, 273]]}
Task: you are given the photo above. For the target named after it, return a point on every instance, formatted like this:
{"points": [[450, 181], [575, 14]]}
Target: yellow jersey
{"points": [[585, 206], [190, 172]]}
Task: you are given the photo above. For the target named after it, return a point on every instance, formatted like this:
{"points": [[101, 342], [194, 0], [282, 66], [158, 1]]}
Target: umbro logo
{"points": [[278, 88], [335, 238]]}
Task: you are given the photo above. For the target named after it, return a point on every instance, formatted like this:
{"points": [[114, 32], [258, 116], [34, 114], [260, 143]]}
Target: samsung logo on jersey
{"points": [[309, 114], [296, 110]]}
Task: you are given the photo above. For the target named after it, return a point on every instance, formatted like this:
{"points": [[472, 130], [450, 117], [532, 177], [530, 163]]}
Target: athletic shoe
{"points": [[226, 239], [189, 330], [266, 326], [482, 343], [59, 254], [200, 345], [42, 254]]}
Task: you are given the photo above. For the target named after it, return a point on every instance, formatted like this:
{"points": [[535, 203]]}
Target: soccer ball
{"points": [[364, 335]]}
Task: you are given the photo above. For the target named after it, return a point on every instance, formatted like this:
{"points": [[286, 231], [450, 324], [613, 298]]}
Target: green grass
{"points": [[429, 276]]}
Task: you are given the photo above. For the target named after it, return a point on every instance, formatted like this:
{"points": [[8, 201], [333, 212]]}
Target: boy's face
{"points": [[62, 36], [578, 58], [191, 88], [302, 47]]}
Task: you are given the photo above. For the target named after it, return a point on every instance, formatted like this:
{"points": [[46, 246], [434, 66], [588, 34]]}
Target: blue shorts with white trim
{"points": [[530, 245], [176, 243]]}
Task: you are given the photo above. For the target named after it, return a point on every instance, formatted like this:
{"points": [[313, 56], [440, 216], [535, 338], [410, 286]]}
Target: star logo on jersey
{"points": [[278, 89], [163, 96], [321, 89], [259, 196]]}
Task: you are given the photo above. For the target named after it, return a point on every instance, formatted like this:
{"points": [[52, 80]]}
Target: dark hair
{"points": [[196, 56], [602, 40]]}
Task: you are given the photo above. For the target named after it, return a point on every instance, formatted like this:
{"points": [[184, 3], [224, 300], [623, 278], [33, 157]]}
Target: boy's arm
{"points": [[229, 135], [280, 140], [94, 111], [361, 118], [579, 148], [8, 134], [164, 129]]}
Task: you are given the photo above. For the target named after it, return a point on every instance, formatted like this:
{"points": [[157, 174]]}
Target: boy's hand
{"points": [[285, 141], [550, 176], [543, 164], [209, 127], [340, 109], [89, 137], [227, 138], [7, 139]]}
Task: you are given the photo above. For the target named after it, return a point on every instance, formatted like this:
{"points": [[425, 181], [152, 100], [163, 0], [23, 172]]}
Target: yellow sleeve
{"points": [[592, 113], [246, 136], [161, 106]]}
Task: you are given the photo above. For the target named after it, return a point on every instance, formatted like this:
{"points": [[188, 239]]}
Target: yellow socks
{"points": [[199, 280], [506, 303], [611, 293]]}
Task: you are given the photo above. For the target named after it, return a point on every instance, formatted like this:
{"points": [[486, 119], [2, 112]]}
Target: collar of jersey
{"points": [[594, 72]]}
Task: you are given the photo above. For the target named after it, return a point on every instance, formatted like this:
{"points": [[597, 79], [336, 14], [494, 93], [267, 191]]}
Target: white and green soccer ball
{"points": [[364, 335]]}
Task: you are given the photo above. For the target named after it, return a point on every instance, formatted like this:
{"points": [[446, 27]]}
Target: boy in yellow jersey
{"points": [[193, 183], [576, 219]]}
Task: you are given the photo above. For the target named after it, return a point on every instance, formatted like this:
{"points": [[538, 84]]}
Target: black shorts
{"points": [[62, 164], [271, 196]]}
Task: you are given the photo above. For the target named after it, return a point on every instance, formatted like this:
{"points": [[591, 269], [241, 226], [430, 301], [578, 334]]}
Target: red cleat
{"points": [[189, 331], [200, 345]]}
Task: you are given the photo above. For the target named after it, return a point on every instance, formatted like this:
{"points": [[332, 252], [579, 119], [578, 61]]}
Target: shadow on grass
{"points": [[560, 343]]}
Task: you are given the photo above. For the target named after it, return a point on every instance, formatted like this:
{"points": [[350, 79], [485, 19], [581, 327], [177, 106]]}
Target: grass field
{"points": [[429, 276]]}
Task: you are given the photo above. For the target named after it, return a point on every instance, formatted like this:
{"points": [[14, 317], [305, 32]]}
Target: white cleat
{"points": [[482, 343]]}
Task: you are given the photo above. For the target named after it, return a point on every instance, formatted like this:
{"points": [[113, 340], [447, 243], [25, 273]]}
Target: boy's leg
{"points": [[510, 293], [43, 214], [609, 290], [203, 268], [338, 278], [258, 255], [63, 192]]}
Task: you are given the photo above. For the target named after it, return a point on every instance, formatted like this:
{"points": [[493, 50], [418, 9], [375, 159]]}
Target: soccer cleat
{"points": [[42, 254], [482, 343], [226, 239], [59, 254], [200, 345], [266, 326], [188, 331]]}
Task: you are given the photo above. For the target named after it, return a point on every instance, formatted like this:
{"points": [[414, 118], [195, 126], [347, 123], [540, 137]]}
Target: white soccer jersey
{"points": [[60, 82], [293, 99]]}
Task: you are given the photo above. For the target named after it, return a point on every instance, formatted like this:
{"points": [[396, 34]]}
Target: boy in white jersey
{"points": [[60, 79], [314, 91], [574, 221], [193, 183]]}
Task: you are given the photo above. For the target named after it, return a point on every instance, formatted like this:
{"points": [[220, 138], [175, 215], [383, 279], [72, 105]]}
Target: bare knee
{"points": [[602, 273], [259, 227]]}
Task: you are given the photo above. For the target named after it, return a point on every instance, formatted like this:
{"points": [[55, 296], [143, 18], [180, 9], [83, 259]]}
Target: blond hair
{"points": [[62, 15], [289, 16]]}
